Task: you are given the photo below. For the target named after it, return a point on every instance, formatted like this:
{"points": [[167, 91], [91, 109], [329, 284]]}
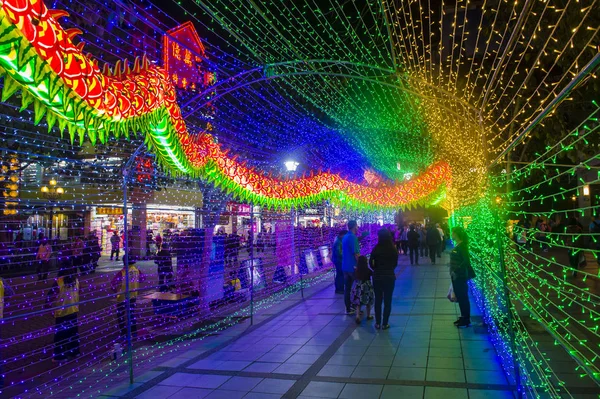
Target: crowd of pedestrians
{"points": [[566, 235], [370, 281]]}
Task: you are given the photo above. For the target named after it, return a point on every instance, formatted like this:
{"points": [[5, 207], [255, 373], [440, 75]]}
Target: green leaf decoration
{"points": [[51, 120], [40, 111], [10, 87], [26, 100]]}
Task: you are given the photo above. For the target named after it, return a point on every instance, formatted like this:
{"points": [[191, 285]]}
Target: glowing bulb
{"points": [[44, 189], [60, 190], [52, 182], [586, 189], [291, 166]]}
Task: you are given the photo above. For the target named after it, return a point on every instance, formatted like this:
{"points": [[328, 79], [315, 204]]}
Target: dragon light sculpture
{"points": [[38, 57]]}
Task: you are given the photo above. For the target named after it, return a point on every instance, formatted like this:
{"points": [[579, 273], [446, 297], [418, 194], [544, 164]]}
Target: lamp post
{"points": [[52, 192], [291, 167]]}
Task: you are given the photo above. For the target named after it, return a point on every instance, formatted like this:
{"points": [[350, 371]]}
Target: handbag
{"points": [[451, 296]]}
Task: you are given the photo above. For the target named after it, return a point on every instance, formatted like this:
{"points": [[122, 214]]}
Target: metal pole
{"points": [[126, 170], [126, 265], [251, 263], [511, 329]]}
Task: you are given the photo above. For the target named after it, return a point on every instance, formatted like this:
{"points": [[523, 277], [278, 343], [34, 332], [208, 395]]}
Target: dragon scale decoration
{"points": [[38, 57]]}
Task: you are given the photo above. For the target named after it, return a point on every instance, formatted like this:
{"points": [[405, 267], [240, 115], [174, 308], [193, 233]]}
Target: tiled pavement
{"points": [[313, 350]]}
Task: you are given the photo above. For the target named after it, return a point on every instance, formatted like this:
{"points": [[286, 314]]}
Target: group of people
{"points": [[83, 254], [418, 240], [371, 281], [572, 236], [63, 297]]}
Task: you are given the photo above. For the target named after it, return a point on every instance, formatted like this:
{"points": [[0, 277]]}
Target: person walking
{"points": [[64, 295], [43, 256], [383, 261], [350, 254], [442, 245], [404, 240], [5, 292], [165, 268], [460, 273], [574, 240], [115, 244], [423, 241], [336, 257], [118, 285], [362, 288], [413, 245], [433, 242], [77, 248], [595, 236]]}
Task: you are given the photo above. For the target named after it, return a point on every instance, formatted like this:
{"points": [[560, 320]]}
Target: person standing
{"points": [[460, 273], [413, 245], [404, 240], [336, 257], [383, 261], [165, 268], [362, 288], [423, 241], [442, 245], [350, 254], [43, 257], [595, 236], [77, 254], [118, 285], [573, 240], [5, 292], [115, 243], [64, 295], [433, 242]]}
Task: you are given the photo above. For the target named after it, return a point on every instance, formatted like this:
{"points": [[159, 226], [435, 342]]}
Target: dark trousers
{"points": [[414, 255], [384, 289], [424, 250], [66, 337], [339, 278], [114, 251], [574, 260], [165, 276], [42, 269], [442, 247], [122, 318], [433, 249], [348, 280], [404, 245], [461, 290]]}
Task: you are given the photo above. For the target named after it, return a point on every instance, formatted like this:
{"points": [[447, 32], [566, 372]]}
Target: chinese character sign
{"points": [[183, 56]]}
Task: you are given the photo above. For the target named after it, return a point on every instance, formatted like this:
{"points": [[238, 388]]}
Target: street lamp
{"points": [[53, 192], [291, 166]]}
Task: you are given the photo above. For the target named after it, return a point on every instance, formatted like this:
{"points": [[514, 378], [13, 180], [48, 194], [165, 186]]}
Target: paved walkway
{"points": [[312, 350]]}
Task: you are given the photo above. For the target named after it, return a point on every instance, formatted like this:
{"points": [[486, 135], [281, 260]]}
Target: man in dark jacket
{"points": [[433, 242], [413, 245], [165, 268], [337, 261]]}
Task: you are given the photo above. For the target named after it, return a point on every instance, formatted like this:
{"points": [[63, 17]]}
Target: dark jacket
{"points": [[460, 262], [384, 260], [163, 261], [413, 239], [362, 272], [433, 236]]}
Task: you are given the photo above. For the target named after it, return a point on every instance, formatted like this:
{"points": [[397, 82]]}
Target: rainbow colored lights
{"points": [[38, 56]]}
